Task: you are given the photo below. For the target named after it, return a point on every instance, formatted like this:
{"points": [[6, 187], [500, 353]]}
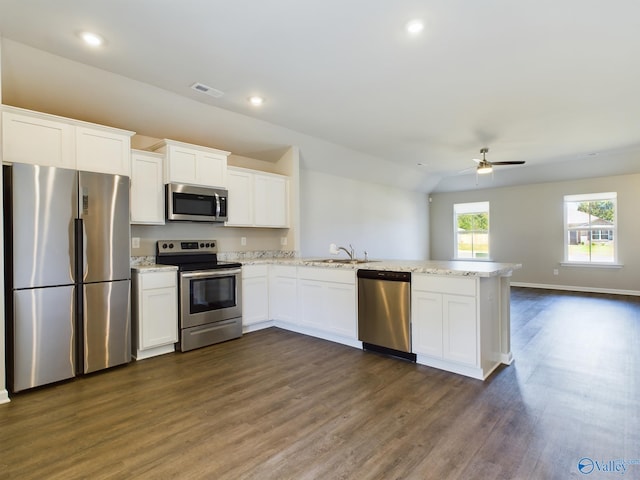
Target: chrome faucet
{"points": [[333, 249]]}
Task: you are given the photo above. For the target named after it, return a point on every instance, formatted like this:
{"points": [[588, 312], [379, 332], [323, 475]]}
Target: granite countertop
{"points": [[153, 268], [453, 267]]}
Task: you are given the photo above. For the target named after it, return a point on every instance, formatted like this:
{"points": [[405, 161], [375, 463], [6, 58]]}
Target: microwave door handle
{"points": [[217, 205], [209, 273]]}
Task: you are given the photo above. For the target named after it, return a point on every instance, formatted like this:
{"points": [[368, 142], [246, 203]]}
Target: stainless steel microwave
{"points": [[191, 203]]}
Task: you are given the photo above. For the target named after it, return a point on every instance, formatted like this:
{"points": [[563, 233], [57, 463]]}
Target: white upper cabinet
{"points": [[240, 186], [193, 164], [257, 199], [147, 188], [271, 195], [42, 139], [103, 151], [37, 140]]}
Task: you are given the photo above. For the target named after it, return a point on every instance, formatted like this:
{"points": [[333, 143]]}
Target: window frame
{"points": [[471, 208], [611, 230]]}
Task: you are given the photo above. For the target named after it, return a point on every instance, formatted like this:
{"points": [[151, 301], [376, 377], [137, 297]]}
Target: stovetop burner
{"points": [[191, 255]]}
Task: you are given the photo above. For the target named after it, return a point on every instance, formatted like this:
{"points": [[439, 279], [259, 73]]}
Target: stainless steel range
{"points": [[209, 292]]}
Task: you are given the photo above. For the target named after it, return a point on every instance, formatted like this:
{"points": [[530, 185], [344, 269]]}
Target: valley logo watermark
{"points": [[620, 466]]}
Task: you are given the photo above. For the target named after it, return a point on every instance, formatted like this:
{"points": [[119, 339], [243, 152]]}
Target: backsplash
{"points": [[142, 260], [255, 255]]}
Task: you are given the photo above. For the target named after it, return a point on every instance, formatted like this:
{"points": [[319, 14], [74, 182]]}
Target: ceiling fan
{"points": [[485, 166]]}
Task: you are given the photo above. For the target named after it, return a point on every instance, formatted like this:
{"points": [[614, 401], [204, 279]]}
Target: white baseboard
{"points": [[506, 358], [4, 396], [570, 288], [154, 352], [254, 327]]}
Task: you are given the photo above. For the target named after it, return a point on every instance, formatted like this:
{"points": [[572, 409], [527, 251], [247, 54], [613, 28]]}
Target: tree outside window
{"points": [[471, 224], [590, 228]]}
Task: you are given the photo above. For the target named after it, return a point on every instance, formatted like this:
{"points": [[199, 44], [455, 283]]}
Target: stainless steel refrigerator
{"points": [[67, 273]]}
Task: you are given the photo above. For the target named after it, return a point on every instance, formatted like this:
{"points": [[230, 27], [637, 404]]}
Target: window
{"points": [[590, 228], [471, 225]]}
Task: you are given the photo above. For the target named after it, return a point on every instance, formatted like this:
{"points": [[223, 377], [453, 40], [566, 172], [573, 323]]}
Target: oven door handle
{"points": [[212, 273]]}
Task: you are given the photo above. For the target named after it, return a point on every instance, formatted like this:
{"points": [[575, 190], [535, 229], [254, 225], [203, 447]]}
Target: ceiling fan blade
{"points": [[513, 162]]}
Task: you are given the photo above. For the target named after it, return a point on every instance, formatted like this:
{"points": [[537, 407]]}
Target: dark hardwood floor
{"points": [[279, 405]]}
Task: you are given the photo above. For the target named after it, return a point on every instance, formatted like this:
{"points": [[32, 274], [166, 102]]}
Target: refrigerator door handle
{"points": [[85, 264], [81, 253]]}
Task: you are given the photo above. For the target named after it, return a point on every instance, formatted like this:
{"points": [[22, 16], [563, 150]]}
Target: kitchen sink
{"points": [[344, 260]]}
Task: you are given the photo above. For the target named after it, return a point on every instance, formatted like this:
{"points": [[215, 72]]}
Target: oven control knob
{"points": [[171, 245], [164, 245], [201, 245], [208, 245]]}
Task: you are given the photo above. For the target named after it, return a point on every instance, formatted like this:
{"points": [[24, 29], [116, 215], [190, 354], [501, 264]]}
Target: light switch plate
{"points": [[135, 242]]}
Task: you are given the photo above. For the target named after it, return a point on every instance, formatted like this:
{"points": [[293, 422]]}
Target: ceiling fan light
{"points": [[414, 27], [484, 169]]}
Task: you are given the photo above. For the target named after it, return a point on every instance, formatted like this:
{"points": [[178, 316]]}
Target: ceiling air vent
{"points": [[202, 88]]}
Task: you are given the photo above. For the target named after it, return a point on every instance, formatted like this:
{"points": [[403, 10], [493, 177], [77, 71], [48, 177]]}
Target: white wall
{"points": [[385, 221], [527, 226]]}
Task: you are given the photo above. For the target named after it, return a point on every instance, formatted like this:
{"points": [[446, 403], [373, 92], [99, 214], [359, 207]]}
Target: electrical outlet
{"points": [[243, 241], [283, 241], [135, 242], [555, 271]]}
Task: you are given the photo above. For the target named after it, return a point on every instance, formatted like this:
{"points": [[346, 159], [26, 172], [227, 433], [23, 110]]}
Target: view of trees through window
{"points": [[590, 228], [472, 230]]}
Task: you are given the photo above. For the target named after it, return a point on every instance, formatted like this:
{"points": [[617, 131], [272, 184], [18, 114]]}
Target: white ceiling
{"points": [[553, 83]]}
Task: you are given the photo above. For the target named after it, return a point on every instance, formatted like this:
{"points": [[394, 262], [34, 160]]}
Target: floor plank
{"points": [[279, 405]]}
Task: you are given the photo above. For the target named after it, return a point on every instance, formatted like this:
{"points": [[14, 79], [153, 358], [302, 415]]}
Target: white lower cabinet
{"points": [[328, 301], [155, 312], [427, 323], [455, 324], [283, 294], [255, 295], [460, 329], [320, 302]]}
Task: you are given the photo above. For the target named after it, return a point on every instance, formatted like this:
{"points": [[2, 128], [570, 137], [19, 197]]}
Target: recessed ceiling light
{"points": [[256, 100], [414, 27], [92, 39]]}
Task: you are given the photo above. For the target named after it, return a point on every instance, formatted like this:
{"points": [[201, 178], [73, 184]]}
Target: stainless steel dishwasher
{"points": [[384, 312]]}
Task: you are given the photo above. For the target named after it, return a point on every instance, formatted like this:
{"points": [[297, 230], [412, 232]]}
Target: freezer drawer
{"points": [[43, 336], [106, 324]]}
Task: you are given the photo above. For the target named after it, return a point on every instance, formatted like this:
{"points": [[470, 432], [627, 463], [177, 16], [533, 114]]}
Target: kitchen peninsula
{"points": [[460, 310]]}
